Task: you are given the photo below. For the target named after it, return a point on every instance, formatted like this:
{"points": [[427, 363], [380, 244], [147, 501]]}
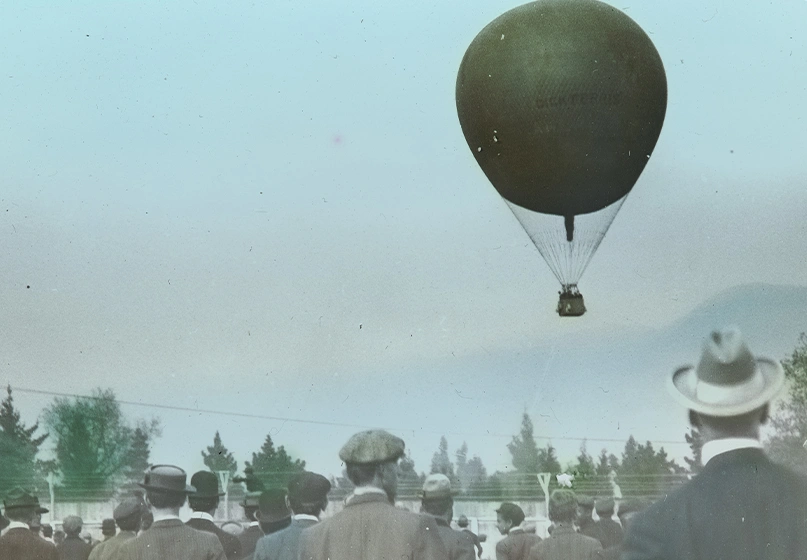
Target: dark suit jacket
{"points": [[74, 548], [249, 538], [740, 507], [475, 538], [516, 545], [608, 532], [230, 543], [459, 544], [171, 538], [566, 544], [23, 544], [371, 528], [284, 544]]}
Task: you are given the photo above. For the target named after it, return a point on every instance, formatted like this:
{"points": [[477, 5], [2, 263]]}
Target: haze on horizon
{"points": [[272, 210]]}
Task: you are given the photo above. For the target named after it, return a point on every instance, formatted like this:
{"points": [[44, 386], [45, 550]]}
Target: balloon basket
{"points": [[571, 305]]}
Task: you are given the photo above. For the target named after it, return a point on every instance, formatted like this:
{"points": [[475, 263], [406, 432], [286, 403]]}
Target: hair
{"points": [[165, 500], [47, 531], [274, 526], [203, 504], [362, 474], [438, 506], [742, 425], [308, 508], [72, 525], [515, 517], [462, 521], [130, 522], [562, 506]]}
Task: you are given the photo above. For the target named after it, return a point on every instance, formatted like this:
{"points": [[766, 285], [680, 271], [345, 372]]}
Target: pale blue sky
{"points": [[271, 209]]}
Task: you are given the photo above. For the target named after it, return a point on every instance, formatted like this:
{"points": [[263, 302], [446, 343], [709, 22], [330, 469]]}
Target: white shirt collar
{"points": [[515, 530], [361, 490], [165, 516], [18, 525], [254, 524], [202, 515], [717, 446], [306, 516]]}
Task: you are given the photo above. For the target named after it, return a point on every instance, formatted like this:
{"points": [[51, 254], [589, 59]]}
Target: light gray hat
{"points": [[728, 380]]}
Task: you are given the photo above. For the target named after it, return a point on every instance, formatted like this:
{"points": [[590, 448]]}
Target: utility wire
{"points": [[322, 422]]}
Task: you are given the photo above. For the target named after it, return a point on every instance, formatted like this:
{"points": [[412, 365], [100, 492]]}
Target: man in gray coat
{"points": [[741, 506], [437, 500], [370, 526], [308, 498], [168, 537]]}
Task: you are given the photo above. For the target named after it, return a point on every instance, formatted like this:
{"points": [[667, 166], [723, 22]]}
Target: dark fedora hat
{"points": [[206, 484], [19, 498], [273, 506], [728, 380], [166, 478]]}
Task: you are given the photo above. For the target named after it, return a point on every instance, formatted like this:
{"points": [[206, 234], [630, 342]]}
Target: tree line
{"points": [[98, 452]]}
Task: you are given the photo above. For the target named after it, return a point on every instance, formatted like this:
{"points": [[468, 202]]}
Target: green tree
{"points": [[218, 457], [18, 448], [695, 440], [93, 444], [408, 480], [523, 448], [274, 467], [584, 468], [788, 423], [441, 462], [548, 460]]}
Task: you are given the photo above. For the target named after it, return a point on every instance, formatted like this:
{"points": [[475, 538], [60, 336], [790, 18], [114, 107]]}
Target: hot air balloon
{"points": [[561, 103]]}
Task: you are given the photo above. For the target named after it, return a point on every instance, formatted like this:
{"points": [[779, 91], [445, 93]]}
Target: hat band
{"points": [[711, 393]]}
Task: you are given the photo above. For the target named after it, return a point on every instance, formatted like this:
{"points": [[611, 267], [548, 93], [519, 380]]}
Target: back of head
{"points": [[308, 493], [436, 495], [129, 514], [108, 527], [206, 497], [511, 512], [604, 507], [72, 525], [47, 531], [273, 510], [462, 521], [562, 506]]}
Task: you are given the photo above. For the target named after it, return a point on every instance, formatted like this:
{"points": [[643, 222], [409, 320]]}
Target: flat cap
{"points": [[308, 488], [585, 501], [631, 505], [604, 506], [436, 486], [72, 524], [372, 446], [127, 508]]}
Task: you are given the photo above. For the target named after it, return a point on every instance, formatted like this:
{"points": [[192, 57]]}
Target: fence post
{"points": [[224, 481], [543, 480], [51, 482]]}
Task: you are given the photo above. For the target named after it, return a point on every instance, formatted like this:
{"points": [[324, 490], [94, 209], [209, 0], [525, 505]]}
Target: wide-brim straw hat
{"points": [[728, 380], [166, 478]]}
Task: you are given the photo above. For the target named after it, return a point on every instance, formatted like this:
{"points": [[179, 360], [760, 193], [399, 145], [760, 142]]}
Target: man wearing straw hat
{"points": [[741, 505], [19, 542], [168, 537], [370, 526]]}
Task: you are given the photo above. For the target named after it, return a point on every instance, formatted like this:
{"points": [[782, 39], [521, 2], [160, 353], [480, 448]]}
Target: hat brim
{"points": [[683, 385], [188, 489]]}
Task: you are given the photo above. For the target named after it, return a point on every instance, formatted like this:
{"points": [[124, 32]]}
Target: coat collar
{"points": [[741, 455], [716, 447], [164, 523], [357, 499]]}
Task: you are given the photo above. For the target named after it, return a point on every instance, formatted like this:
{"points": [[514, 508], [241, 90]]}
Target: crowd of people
{"points": [[740, 507]]}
